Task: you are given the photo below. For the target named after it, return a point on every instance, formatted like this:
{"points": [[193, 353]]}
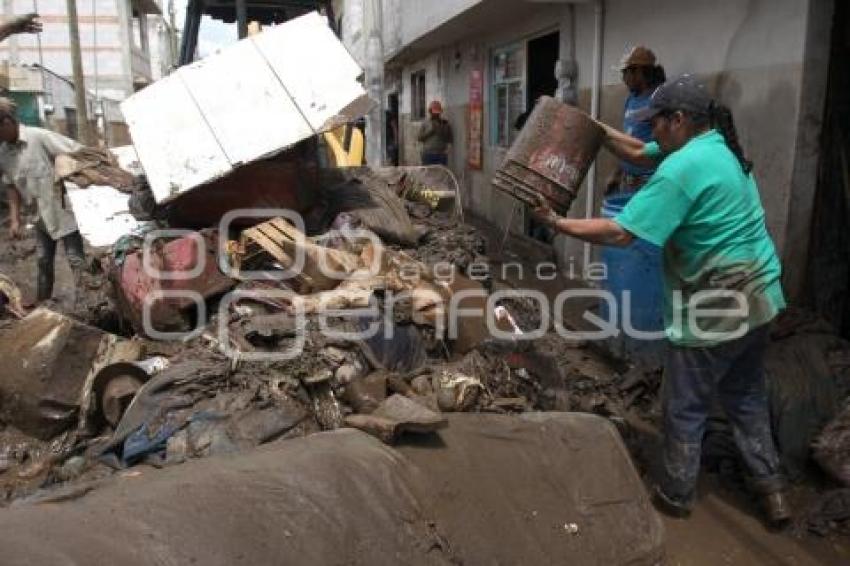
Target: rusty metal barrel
{"points": [[551, 156]]}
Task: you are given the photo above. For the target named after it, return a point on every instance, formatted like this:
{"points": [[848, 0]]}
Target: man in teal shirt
{"points": [[721, 279]]}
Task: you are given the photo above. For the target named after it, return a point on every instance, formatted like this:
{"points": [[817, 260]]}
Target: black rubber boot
{"points": [[671, 506], [44, 282], [777, 510]]}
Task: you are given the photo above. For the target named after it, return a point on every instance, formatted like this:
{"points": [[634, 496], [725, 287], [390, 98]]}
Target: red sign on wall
{"points": [[475, 124]]}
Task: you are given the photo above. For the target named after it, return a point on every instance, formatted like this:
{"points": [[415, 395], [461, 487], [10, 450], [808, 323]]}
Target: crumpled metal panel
{"points": [[45, 363], [252, 100]]}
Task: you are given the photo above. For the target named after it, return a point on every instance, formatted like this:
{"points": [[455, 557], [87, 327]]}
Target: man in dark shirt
{"points": [[436, 136]]}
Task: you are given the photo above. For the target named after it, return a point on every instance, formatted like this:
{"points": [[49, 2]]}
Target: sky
{"points": [[213, 34]]}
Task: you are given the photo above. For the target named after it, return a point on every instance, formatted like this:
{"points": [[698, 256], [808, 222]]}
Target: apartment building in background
{"points": [[125, 45]]}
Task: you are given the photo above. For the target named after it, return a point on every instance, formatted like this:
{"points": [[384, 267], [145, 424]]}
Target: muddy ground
{"points": [[725, 526]]}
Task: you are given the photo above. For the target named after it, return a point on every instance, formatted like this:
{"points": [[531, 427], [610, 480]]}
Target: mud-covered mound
{"points": [[488, 489]]}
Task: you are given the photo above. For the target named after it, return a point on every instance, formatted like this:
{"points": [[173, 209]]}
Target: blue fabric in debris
{"points": [[140, 444]]}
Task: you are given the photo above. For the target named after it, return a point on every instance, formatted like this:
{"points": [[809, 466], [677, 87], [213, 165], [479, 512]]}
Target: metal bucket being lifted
{"points": [[551, 156]]}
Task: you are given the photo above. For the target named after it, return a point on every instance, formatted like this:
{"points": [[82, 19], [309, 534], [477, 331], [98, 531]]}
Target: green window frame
{"points": [[418, 102], [507, 92]]}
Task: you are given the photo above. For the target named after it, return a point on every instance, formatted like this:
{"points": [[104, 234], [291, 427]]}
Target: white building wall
{"points": [[418, 18]]}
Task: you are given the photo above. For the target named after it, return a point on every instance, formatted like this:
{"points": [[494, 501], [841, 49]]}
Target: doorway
{"points": [[540, 80], [71, 122], [392, 129], [828, 270], [542, 56]]}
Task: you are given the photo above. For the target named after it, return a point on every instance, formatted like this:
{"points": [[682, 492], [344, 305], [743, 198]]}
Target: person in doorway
{"points": [[391, 120], [722, 283], [642, 76], [436, 136], [27, 23], [27, 156]]}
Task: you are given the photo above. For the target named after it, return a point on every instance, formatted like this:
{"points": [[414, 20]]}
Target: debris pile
{"points": [[831, 448], [829, 513], [279, 328], [273, 329], [243, 292]]}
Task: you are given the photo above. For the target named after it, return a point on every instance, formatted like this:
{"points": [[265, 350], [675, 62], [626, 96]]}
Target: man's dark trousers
{"points": [[73, 244], [435, 159], [734, 372]]}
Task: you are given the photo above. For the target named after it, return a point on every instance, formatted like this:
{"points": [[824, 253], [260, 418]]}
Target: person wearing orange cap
{"points": [[436, 135], [642, 76]]}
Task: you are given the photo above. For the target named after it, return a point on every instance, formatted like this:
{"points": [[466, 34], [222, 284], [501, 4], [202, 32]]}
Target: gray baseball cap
{"points": [[682, 93]]}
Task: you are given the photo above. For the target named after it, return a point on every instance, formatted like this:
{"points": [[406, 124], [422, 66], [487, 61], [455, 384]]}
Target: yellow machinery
{"points": [[345, 146]]}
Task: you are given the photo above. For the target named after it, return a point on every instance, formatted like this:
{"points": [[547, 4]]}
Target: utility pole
{"points": [[172, 38], [241, 19], [83, 130], [374, 71]]}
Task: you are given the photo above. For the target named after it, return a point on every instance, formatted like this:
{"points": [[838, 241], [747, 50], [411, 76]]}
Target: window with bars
{"points": [[508, 96], [418, 104]]}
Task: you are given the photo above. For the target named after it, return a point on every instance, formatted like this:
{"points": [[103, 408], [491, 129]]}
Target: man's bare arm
{"points": [[14, 211], [594, 230], [426, 130], [28, 23], [626, 147]]}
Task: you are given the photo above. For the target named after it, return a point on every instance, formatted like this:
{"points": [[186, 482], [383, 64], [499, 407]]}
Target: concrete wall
{"points": [[810, 116], [419, 18], [752, 54]]}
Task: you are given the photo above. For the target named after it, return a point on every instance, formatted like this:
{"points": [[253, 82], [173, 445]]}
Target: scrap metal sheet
{"points": [[321, 78], [103, 212], [250, 113], [175, 144]]}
